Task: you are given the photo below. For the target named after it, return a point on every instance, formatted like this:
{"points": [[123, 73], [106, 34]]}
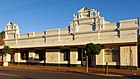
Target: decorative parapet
{"points": [[82, 30]]}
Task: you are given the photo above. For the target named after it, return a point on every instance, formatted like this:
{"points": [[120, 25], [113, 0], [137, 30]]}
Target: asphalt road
{"points": [[41, 74]]}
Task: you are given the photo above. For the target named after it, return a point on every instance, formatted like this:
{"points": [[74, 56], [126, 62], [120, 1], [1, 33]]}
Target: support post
{"points": [[87, 63], [106, 69]]}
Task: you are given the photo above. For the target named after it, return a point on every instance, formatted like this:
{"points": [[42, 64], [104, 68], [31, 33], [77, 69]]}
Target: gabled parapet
{"points": [[11, 31], [87, 19], [11, 26], [86, 12]]}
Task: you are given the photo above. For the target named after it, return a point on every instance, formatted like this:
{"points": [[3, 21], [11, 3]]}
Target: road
{"points": [[42, 74]]}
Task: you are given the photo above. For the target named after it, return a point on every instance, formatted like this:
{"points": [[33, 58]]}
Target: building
{"points": [[67, 46]]}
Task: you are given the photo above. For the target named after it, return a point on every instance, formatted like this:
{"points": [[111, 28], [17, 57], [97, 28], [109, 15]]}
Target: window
{"points": [[64, 54], [108, 55], [88, 15], [112, 54], [0, 56], [116, 51], [116, 54], [79, 16], [36, 56], [24, 54], [15, 35], [39, 54], [80, 54]]}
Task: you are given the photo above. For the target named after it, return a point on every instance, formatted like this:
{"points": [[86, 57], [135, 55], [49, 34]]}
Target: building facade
{"points": [[67, 46]]}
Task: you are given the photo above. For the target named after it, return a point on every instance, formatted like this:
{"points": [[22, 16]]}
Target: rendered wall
{"points": [[100, 58], [128, 56], [17, 57], [53, 56], [74, 57]]}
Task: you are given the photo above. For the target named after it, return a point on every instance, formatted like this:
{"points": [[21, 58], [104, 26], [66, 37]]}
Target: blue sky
{"points": [[40, 15]]}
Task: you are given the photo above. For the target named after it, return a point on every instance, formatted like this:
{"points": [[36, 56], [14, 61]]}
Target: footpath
{"points": [[81, 70]]}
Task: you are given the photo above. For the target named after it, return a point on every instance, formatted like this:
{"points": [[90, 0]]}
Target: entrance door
{"points": [[24, 54]]}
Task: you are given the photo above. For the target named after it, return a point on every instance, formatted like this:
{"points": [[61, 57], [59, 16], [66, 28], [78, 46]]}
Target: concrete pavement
{"points": [[9, 73], [81, 70]]}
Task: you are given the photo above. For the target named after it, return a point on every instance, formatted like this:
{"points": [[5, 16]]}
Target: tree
{"points": [[6, 50], [92, 49], [2, 35]]}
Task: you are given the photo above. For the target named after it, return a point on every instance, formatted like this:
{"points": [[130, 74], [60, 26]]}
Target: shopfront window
{"points": [[39, 54], [112, 54], [24, 54], [64, 54]]}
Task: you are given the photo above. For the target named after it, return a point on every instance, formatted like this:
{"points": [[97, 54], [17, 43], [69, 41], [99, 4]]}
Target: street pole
{"points": [[87, 63]]}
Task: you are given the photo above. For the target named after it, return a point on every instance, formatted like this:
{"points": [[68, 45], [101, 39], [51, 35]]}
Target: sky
{"points": [[40, 15]]}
